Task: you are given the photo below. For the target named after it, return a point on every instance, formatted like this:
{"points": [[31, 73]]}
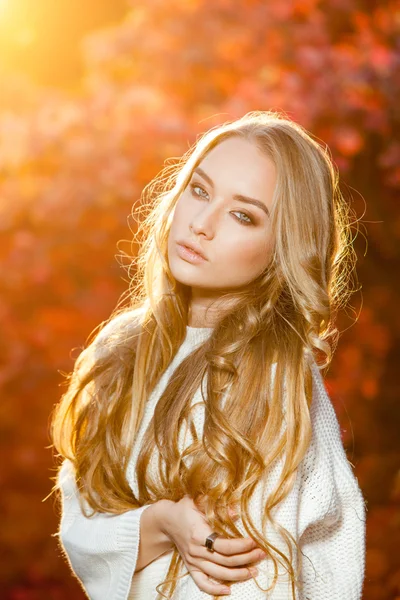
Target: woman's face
{"points": [[234, 235]]}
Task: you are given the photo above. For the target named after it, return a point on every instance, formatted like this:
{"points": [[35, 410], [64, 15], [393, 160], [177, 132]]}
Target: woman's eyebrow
{"points": [[238, 197]]}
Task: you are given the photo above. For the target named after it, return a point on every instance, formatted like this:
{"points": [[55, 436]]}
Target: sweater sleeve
{"points": [[332, 539], [101, 550]]}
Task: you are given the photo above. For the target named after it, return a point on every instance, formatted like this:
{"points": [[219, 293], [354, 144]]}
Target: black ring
{"points": [[210, 541]]}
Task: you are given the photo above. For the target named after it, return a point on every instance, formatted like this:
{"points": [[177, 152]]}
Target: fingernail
{"points": [[254, 570], [226, 591]]}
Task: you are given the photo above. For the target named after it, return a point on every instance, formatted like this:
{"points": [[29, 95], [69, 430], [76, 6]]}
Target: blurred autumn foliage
{"points": [[72, 165]]}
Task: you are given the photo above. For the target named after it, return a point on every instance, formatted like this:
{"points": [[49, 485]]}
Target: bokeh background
{"points": [[94, 97]]}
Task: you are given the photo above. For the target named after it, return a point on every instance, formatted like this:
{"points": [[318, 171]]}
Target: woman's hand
{"points": [[187, 528]]}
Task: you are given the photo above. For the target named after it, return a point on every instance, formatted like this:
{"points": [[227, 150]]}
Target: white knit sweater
{"points": [[325, 511]]}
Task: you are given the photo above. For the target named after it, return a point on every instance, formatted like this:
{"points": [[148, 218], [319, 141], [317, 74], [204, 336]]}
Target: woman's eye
{"points": [[193, 186], [245, 221]]}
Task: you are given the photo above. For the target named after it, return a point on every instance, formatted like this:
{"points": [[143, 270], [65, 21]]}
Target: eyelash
{"points": [[243, 221]]}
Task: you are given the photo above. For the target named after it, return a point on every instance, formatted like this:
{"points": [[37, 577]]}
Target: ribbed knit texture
{"points": [[325, 510]]}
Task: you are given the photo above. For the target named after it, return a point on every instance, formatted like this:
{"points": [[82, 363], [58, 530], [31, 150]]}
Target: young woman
{"points": [[201, 453]]}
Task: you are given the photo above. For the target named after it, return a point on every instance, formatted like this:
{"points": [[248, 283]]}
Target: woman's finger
{"points": [[207, 585], [227, 546], [224, 573], [234, 560]]}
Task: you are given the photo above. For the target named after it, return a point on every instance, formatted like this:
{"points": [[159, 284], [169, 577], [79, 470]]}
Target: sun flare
{"points": [[4, 7]]}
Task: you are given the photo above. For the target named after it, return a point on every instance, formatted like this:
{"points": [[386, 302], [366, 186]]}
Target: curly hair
{"points": [[285, 318]]}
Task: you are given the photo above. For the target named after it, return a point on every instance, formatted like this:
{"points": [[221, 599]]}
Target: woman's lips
{"points": [[189, 255]]}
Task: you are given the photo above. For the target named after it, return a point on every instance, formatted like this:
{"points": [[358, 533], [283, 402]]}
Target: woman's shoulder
{"points": [[326, 453], [127, 318], [120, 327], [325, 423]]}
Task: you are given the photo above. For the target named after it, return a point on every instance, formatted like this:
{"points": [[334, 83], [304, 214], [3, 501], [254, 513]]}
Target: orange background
{"points": [[95, 96]]}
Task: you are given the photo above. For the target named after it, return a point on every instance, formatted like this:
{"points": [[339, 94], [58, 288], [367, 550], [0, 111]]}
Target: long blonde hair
{"points": [[285, 316]]}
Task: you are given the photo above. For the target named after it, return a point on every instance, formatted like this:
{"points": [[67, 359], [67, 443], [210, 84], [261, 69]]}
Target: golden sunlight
{"points": [[42, 40]]}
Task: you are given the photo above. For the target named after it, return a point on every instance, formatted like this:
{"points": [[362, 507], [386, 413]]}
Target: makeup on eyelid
{"points": [[251, 221], [238, 197]]}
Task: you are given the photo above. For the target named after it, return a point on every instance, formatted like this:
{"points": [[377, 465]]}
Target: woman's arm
{"points": [[103, 550], [333, 549], [332, 512], [153, 540]]}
